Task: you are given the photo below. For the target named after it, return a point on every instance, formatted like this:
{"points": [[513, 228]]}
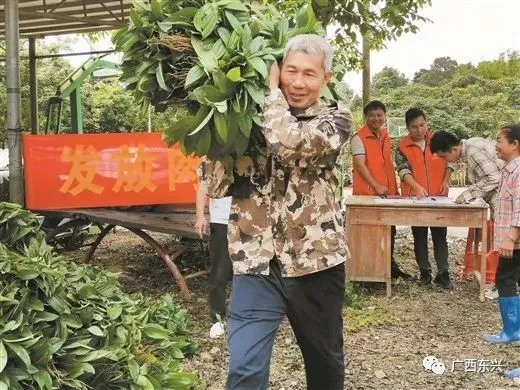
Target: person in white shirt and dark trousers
{"points": [[221, 271]]}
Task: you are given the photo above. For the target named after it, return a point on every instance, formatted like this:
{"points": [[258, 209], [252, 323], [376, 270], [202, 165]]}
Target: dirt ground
{"points": [[385, 341]]}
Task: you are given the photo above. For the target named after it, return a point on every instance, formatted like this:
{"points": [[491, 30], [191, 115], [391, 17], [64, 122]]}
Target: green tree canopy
{"points": [[388, 78]]}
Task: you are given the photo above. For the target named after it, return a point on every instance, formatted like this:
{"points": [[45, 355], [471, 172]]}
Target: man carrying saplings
{"points": [[286, 235]]}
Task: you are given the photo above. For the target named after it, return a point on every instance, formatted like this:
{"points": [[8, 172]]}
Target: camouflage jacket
{"points": [[284, 199]]}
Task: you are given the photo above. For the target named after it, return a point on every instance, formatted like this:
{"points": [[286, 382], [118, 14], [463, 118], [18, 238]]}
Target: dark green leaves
{"points": [[217, 57], [62, 325], [206, 18]]}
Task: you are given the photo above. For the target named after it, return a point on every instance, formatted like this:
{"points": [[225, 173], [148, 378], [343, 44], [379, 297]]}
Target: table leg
{"points": [[483, 260], [388, 254]]}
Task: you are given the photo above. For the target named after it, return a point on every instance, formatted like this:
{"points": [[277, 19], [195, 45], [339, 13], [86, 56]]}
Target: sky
{"points": [[465, 30]]}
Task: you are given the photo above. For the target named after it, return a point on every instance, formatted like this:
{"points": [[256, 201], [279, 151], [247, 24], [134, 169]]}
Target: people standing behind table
{"points": [[507, 235], [481, 161], [423, 174], [483, 167], [221, 271], [373, 164]]}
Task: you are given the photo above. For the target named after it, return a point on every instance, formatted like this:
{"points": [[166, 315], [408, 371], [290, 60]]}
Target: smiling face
{"points": [[302, 78], [505, 149], [375, 119]]}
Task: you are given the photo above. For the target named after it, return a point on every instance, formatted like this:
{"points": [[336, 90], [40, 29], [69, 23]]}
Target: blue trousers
{"points": [[313, 304]]}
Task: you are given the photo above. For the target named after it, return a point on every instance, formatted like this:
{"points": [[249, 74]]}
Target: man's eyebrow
{"points": [[308, 70]]}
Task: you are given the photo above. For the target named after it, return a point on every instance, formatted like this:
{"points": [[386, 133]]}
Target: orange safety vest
{"points": [[379, 161], [427, 169]]}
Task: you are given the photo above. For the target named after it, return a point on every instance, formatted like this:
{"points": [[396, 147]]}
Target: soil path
{"points": [[385, 341]]}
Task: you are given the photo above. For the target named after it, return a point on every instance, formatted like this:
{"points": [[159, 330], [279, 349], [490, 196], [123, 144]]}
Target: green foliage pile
{"points": [[71, 327], [214, 54]]}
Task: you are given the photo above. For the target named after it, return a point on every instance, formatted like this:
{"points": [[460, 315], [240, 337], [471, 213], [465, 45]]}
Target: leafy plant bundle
{"points": [[215, 55], [71, 327]]}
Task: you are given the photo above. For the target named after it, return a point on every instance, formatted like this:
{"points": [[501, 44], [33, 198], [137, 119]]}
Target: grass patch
{"points": [[359, 319], [358, 314]]}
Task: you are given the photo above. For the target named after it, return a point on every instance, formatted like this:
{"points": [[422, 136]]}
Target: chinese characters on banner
{"points": [[99, 170]]}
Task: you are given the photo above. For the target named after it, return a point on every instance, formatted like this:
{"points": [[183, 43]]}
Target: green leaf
{"points": [[207, 57], [221, 106], [21, 352], [43, 378], [205, 19], [114, 312], [233, 21], [221, 127], [147, 84], [3, 357], [233, 40], [246, 38], [223, 83], [133, 369], [73, 321], [160, 78], [45, 317], [256, 93], [80, 368], [183, 15], [155, 331], [165, 25], [241, 143], [194, 75], [224, 34], [204, 121], [27, 274], [156, 9], [219, 49], [59, 304], [259, 65], [96, 331], [144, 383], [94, 355], [135, 18], [208, 93], [256, 44], [204, 141], [88, 292], [179, 129], [234, 74], [245, 124], [235, 5]]}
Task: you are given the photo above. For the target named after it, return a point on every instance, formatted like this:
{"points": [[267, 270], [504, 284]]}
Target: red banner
{"points": [[98, 170]]}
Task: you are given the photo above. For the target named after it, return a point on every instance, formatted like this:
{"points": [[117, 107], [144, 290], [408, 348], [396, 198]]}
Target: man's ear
{"points": [[328, 76]]}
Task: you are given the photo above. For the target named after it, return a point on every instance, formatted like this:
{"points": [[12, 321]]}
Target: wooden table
{"points": [[175, 219], [369, 219]]}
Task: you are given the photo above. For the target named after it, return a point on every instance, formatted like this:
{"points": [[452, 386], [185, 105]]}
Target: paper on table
{"points": [[431, 200], [435, 200], [394, 200]]}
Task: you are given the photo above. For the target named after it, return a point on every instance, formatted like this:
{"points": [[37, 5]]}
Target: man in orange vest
{"points": [[374, 172], [424, 174]]}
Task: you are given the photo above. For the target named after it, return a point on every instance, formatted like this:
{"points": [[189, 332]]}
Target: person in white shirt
{"points": [[221, 271]]}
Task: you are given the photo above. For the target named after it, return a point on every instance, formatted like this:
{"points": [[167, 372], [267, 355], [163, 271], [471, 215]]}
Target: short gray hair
{"points": [[311, 44]]}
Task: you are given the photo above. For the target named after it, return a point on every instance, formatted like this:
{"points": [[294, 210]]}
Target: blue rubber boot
{"points": [[510, 313], [513, 373]]}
